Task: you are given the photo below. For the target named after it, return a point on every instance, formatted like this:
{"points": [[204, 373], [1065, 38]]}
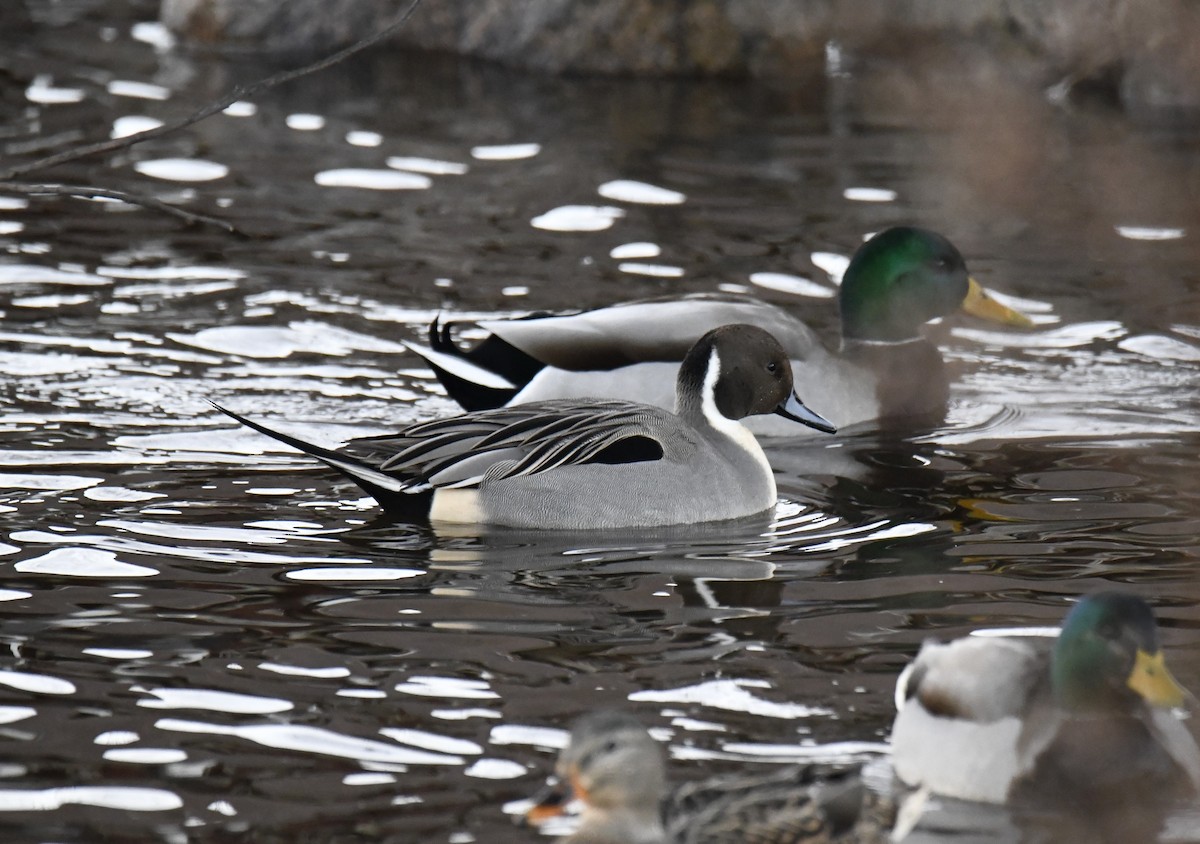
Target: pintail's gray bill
{"points": [[794, 409]]}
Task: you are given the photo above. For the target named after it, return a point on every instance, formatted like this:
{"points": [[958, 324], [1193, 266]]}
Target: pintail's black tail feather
{"points": [[485, 376], [389, 490]]}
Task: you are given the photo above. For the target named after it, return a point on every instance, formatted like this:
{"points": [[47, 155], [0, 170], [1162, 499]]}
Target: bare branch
{"points": [[88, 192], [212, 108]]}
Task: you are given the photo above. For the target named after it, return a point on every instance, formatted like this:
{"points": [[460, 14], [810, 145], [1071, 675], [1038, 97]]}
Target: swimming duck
{"points": [[575, 464], [1080, 723], [885, 369], [616, 770]]}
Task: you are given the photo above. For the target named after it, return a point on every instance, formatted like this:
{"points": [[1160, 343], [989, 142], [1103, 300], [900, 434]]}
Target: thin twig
{"points": [[88, 192], [212, 108]]}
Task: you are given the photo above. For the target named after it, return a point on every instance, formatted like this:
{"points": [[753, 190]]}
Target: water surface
{"points": [[207, 639]]}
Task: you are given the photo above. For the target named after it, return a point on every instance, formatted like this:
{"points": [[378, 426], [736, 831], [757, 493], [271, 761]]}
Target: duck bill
{"points": [[550, 802], [979, 303], [794, 409], [1151, 679]]}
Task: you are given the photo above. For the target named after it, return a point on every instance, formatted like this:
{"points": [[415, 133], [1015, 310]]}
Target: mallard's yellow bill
{"points": [[1151, 679], [979, 303]]}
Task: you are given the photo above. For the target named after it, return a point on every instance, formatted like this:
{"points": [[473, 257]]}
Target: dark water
{"points": [[237, 634]]}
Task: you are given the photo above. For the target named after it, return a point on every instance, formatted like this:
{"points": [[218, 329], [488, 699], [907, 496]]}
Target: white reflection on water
{"points": [[314, 740], [171, 272], [153, 33], [145, 755], [1160, 348], [237, 556], [360, 177], [654, 270], [10, 480], [305, 122], [842, 751], [352, 574], [547, 737], [627, 190], [118, 653], [505, 152], [82, 562], [463, 714], [798, 285], [34, 274], [496, 769], [207, 533], [332, 671], [182, 169], [268, 341], [369, 778], [123, 127], [448, 687], [37, 683], [42, 90], [361, 138], [432, 741], [431, 166], [123, 797], [869, 195], [241, 109], [578, 218], [1148, 233], [639, 249], [116, 738], [138, 90], [120, 493], [731, 695], [50, 301], [13, 594], [12, 714], [832, 263], [1066, 337], [213, 700]]}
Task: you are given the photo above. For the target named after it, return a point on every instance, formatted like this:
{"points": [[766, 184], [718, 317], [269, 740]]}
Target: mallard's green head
{"points": [[903, 277], [1107, 656]]}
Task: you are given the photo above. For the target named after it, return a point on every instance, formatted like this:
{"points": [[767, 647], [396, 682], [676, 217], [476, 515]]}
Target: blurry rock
{"points": [[762, 37], [14, 20], [1146, 54]]}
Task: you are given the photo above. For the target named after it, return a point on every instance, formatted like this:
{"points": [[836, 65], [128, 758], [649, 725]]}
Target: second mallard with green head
{"points": [[885, 370]]}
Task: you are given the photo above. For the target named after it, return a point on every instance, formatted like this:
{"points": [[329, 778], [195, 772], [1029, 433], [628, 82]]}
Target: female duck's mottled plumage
{"points": [[1080, 723], [592, 463], [616, 770], [884, 370]]}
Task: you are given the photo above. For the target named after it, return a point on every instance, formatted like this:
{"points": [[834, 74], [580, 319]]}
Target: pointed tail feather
{"points": [[391, 492]]}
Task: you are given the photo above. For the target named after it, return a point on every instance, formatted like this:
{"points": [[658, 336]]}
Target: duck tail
{"points": [[390, 491], [486, 376]]}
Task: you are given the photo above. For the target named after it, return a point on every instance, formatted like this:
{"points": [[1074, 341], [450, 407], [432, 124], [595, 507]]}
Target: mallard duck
{"points": [[885, 369], [575, 464], [616, 770], [1078, 723]]}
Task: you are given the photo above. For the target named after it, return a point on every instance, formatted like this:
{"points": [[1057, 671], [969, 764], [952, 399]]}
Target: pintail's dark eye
{"points": [[772, 366]]}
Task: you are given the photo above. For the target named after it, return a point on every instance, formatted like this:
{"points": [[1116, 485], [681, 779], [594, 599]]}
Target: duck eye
{"points": [[772, 366]]}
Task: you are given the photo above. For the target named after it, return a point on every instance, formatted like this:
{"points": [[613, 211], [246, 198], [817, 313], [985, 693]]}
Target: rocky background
{"points": [[1145, 56]]}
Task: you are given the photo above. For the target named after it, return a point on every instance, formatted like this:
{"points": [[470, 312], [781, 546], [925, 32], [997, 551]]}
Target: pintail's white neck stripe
{"points": [[731, 428]]}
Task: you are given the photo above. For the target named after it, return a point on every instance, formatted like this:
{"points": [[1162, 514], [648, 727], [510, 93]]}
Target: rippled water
{"points": [[210, 640]]}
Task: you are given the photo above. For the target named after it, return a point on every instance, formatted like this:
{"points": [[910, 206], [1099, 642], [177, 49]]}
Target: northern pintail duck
{"points": [[884, 370], [616, 771], [574, 464], [1079, 723]]}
